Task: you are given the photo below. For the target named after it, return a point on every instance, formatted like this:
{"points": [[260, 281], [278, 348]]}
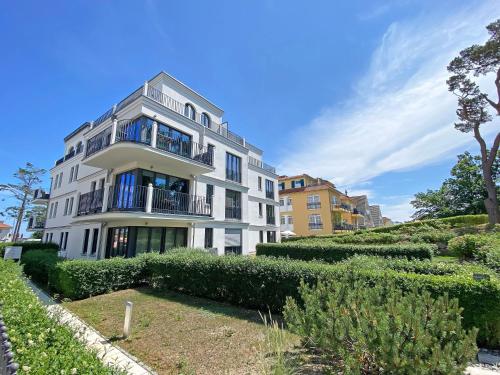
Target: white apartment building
{"points": [[160, 169], [376, 215]]}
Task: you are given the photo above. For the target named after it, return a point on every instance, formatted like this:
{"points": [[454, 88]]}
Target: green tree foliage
{"points": [[378, 329], [473, 104], [461, 194]]}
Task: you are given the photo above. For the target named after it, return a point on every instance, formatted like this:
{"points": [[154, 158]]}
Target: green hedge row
{"points": [[265, 283], [39, 264], [28, 246], [40, 344], [330, 252], [451, 222]]}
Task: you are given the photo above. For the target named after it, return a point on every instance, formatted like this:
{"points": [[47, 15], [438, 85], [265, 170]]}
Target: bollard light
{"points": [[128, 319]]}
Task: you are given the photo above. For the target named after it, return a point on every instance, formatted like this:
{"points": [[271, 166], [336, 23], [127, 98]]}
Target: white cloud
{"points": [[398, 211], [400, 115]]}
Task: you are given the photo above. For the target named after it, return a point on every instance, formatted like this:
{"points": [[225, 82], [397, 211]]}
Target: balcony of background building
{"points": [[35, 224], [343, 226], [40, 196]]}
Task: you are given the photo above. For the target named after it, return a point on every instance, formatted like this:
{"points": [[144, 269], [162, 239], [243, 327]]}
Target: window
{"points": [[86, 236], [205, 120], [60, 180], [51, 211], [260, 209], [233, 204], [270, 219], [233, 167], [313, 202], [282, 202], [95, 237], [281, 186], [271, 236], [75, 176], [189, 111], [283, 220], [55, 209], [290, 220], [315, 222], [101, 183], [269, 189], [335, 200], [51, 235], [71, 174], [79, 147], [61, 240], [261, 236], [92, 186], [56, 181], [259, 183], [65, 241], [210, 193], [232, 241], [298, 183], [289, 201], [70, 207], [209, 238], [66, 203]]}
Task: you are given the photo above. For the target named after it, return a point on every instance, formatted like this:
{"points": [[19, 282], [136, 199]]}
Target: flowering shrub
{"points": [[40, 344]]}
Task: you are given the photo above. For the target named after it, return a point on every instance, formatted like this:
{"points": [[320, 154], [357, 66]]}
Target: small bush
{"points": [[28, 246], [369, 329], [483, 248], [332, 252], [40, 344], [38, 264]]}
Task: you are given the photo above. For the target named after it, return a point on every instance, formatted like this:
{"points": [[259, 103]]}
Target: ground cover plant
{"points": [[40, 344]]}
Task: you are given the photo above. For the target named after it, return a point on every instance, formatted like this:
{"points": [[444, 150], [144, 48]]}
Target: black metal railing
{"points": [[127, 198], [138, 131], [345, 207], [270, 194], [59, 161], [315, 225], [173, 202], [313, 205], [90, 203], [36, 223], [98, 142], [7, 364], [40, 194], [344, 226], [187, 149], [233, 213]]}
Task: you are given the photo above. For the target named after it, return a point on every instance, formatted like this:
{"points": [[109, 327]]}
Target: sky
{"points": [[351, 91]]}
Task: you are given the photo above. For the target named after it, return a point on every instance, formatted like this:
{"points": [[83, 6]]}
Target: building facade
{"points": [[362, 206], [158, 170], [313, 206], [376, 215]]}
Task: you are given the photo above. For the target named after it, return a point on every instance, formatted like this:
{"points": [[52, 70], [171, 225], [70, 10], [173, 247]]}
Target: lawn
{"points": [[179, 334]]}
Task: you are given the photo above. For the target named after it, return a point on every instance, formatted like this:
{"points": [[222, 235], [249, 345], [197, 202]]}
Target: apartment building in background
{"points": [[160, 169], [313, 206], [376, 215], [360, 202]]}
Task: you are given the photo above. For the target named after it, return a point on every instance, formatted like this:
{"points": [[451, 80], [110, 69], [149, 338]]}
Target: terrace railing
{"points": [[315, 225], [98, 142], [260, 164], [90, 203]]}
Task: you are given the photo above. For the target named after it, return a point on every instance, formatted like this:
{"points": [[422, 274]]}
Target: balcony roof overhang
{"points": [[137, 218], [148, 157]]}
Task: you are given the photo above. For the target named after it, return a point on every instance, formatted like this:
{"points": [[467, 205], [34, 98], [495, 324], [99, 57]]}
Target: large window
{"points": [[232, 240], [189, 111], [271, 236], [131, 241], [210, 193], [233, 204], [315, 222], [173, 140], [233, 167], [209, 238], [269, 189], [95, 237], [86, 236], [313, 202], [270, 218], [205, 120]]}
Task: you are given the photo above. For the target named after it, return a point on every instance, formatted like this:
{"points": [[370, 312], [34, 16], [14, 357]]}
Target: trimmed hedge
{"points": [[40, 344], [39, 264], [264, 283], [28, 246], [332, 252], [451, 222]]}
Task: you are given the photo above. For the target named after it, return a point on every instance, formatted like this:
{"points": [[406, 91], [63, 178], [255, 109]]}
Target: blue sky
{"points": [[351, 91]]}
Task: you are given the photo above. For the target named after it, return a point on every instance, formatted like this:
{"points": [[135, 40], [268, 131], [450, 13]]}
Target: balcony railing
{"points": [[345, 207], [271, 220], [140, 131], [161, 201], [40, 194], [260, 164], [313, 205], [315, 225], [343, 226], [90, 203], [233, 213], [35, 223]]}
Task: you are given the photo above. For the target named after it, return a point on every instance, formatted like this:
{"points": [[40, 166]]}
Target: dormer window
{"points": [[205, 120], [189, 111]]}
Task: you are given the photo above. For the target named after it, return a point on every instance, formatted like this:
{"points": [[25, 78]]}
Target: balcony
{"points": [[154, 200], [343, 226], [90, 203], [313, 205], [260, 164], [40, 197], [35, 224], [141, 141], [355, 211], [315, 226], [233, 213]]}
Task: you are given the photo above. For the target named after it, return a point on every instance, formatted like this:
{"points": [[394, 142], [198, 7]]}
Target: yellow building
{"points": [[313, 206]]}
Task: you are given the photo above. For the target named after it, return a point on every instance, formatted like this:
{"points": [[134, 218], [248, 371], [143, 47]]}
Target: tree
{"points": [[22, 191], [461, 194], [473, 104]]}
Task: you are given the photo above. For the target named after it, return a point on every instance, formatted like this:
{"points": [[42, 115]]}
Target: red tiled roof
{"points": [[4, 226]]}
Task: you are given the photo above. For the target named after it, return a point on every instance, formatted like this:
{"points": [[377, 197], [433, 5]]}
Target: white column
{"points": [[154, 134], [149, 198], [145, 93], [105, 197], [114, 127]]}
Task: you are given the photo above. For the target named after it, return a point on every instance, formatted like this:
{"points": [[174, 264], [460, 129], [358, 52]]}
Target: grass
{"points": [[179, 334]]}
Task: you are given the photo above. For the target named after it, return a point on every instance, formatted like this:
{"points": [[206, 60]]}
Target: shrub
{"points": [[483, 248], [331, 252], [264, 282], [27, 246], [38, 264], [369, 329], [39, 343]]}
